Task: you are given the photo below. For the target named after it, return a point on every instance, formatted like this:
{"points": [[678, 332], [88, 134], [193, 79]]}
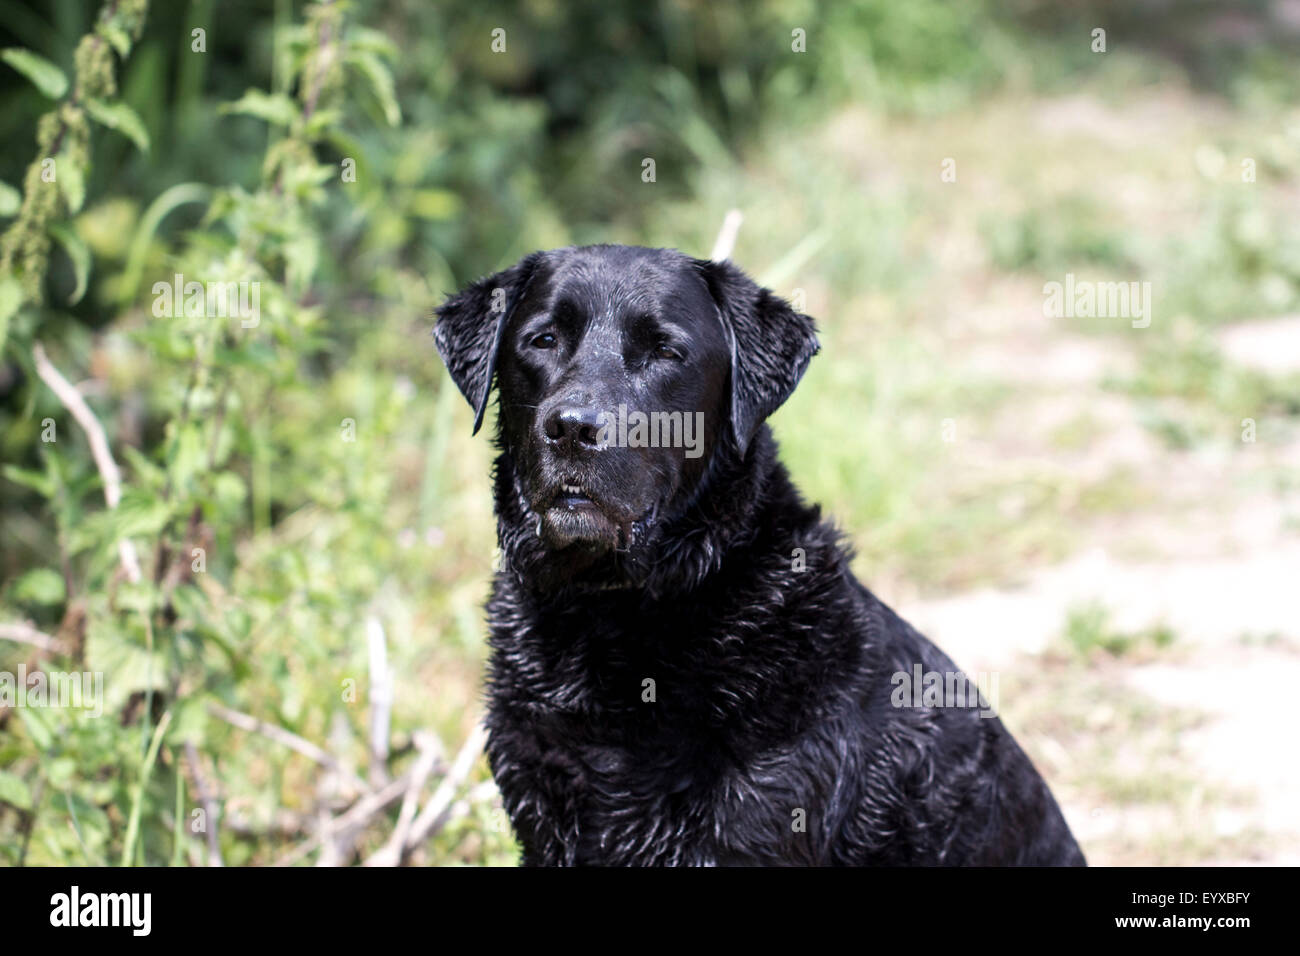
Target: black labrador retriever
{"points": [[683, 669]]}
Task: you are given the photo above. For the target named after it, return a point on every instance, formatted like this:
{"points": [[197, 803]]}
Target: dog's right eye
{"points": [[543, 340]]}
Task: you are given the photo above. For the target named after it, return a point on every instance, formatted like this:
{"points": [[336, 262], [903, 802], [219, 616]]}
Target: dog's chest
{"points": [[665, 800], [651, 738]]}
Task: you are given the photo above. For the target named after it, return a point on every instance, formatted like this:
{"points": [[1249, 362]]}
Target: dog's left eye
{"points": [[543, 340], [667, 352]]}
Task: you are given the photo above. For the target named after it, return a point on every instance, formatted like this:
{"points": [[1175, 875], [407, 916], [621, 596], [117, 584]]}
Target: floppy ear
{"points": [[771, 346], [469, 328]]}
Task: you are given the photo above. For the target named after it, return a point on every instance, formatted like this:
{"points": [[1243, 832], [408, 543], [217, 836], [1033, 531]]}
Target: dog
{"points": [[683, 669]]}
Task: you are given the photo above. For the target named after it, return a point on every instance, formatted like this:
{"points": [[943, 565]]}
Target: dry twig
{"points": [[381, 699], [390, 854], [360, 812], [209, 804], [434, 815], [25, 633], [726, 241], [71, 398], [288, 739]]}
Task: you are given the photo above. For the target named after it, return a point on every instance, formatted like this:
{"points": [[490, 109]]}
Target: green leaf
{"points": [[116, 36], [352, 148], [39, 483], [72, 182], [11, 200], [168, 200], [372, 41], [321, 121], [92, 826], [137, 802], [11, 298], [38, 727], [39, 586], [79, 253], [133, 669], [189, 454], [381, 82], [229, 490], [137, 515], [191, 719], [275, 108], [301, 256], [435, 204], [178, 823], [61, 772], [142, 598], [14, 791], [47, 77], [146, 471], [117, 115]]}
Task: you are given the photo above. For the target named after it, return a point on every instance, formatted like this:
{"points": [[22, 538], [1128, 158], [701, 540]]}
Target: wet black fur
{"points": [[772, 685]]}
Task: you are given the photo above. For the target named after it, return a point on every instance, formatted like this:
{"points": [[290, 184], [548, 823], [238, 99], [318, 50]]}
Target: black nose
{"points": [[574, 429]]}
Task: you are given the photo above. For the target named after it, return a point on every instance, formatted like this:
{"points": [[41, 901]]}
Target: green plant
{"points": [[1088, 631], [182, 593]]}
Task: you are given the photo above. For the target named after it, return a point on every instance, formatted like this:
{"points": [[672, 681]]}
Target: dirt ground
{"points": [[1214, 564]]}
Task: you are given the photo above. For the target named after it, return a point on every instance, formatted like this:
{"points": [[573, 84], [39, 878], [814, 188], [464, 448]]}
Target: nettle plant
{"points": [[204, 566], [63, 138]]}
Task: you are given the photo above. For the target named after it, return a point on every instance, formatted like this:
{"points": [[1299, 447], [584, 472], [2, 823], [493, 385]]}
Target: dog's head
{"points": [[624, 374]]}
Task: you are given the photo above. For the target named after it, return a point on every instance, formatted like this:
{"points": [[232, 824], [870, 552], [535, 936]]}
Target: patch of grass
{"points": [[1116, 761], [1190, 394], [1119, 491], [1057, 235], [1088, 631], [1190, 840], [1077, 433], [1188, 364], [1273, 640], [1241, 258], [1176, 432]]}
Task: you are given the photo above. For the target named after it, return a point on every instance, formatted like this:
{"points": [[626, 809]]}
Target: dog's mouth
{"points": [[573, 497], [574, 514], [571, 514]]}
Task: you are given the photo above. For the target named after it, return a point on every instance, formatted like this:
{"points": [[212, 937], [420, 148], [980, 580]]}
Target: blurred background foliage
{"points": [[235, 440]]}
